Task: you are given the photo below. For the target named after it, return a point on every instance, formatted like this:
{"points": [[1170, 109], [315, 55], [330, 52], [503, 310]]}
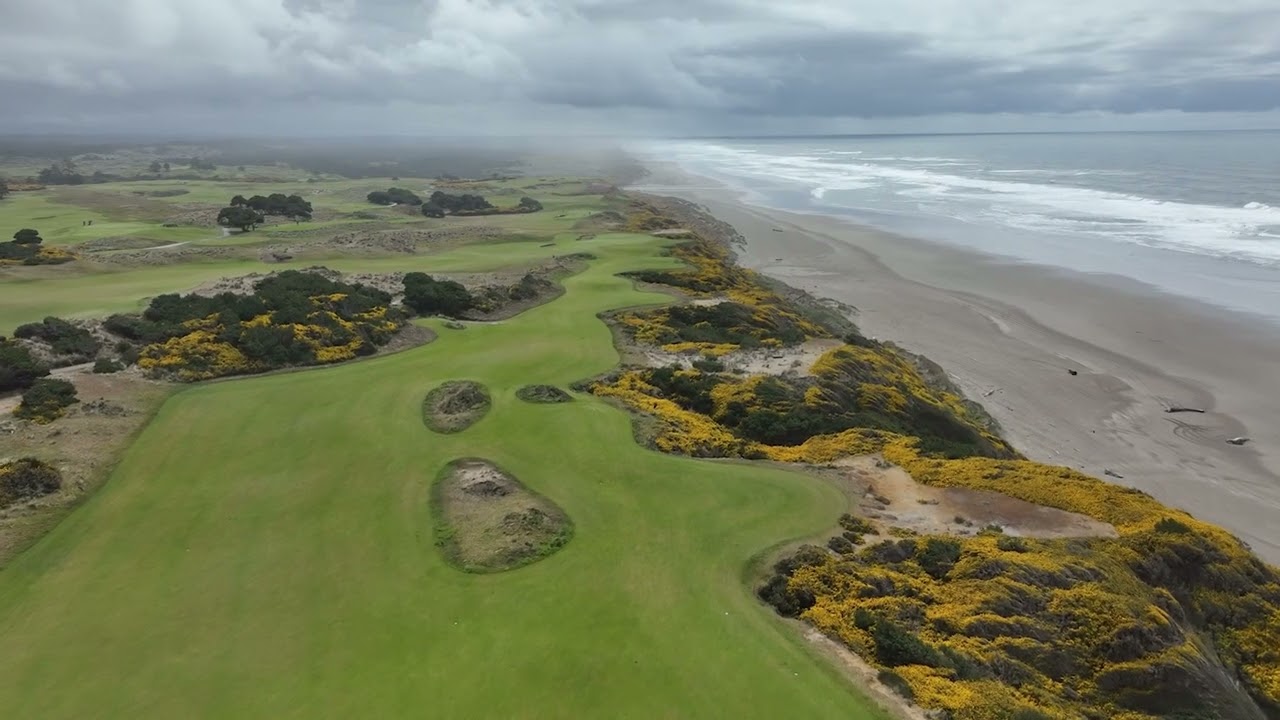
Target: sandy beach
{"points": [[1009, 333]]}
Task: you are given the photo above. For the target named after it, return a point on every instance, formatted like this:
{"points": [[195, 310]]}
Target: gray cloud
{"points": [[688, 63]]}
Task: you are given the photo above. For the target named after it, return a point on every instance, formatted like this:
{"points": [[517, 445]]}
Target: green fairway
{"points": [[265, 548]]}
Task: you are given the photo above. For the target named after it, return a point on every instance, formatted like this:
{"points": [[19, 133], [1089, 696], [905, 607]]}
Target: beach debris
{"points": [[777, 229], [991, 392], [1180, 409], [1073, 373], [1112, 473], [1237, 441]]}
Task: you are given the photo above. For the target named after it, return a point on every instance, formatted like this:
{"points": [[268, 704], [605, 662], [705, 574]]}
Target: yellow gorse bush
{"points": [[1103, 627]]}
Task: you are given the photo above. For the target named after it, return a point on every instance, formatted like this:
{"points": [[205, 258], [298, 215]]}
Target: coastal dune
{"points": [[1079, 370]]}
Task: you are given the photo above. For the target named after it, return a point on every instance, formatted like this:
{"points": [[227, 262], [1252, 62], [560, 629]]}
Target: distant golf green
{"points": [[264, 549]]}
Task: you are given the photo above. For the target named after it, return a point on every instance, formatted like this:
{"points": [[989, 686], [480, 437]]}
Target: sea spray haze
{"points": [[1195, 213]]}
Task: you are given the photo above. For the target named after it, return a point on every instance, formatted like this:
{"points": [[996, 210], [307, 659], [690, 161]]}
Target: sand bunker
{"points": [[455, 406], [487, 521]]}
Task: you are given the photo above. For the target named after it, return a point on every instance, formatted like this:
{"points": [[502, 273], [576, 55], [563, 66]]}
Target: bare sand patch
{"points": [[796, 360], [895, 499]]}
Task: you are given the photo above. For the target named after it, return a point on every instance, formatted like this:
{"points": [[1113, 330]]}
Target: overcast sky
{"points": [[321, 67]]}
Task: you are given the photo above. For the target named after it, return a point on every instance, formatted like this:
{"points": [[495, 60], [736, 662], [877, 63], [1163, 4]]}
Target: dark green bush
{"points": [[18, 368], [428, 296], [105, 366], [896, 683], [840, 544], [27, 478], [1170, 525], [62, 337], [896, 645], [1010, 543], [937, 556], [46, 400]]}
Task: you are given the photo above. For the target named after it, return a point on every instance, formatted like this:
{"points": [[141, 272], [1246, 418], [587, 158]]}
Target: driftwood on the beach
{"points": [[1181, 409], [1237, 441], [1112, 473]]}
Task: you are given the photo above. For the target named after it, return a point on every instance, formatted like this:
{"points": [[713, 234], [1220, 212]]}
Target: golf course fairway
{"points": [[265, 549]]}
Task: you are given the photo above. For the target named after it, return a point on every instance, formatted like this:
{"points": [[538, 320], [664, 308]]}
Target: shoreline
{"points": [[1007, 333]]}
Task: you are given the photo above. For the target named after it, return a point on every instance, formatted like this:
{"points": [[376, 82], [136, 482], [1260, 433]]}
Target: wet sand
{"points": [[1008, 333]]}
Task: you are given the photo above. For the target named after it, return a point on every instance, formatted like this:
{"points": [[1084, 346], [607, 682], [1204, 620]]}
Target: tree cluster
{"points": [[196, 163], [26, 249], [428, 296], [290, 206], [248, 213], [394, 196], [442, 203], [4, 189], [61, 173]]}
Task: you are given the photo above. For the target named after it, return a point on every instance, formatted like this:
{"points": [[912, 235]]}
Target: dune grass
{"points": [[264, 549]]}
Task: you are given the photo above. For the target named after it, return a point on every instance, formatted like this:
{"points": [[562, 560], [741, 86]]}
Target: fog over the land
{"points": [[318, 67]]}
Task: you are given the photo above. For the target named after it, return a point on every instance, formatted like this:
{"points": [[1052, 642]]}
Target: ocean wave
{"points": [[1248, 232]]}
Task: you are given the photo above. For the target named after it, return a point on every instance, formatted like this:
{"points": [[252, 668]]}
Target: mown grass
{"points": [[264, 549], [63, 224]]}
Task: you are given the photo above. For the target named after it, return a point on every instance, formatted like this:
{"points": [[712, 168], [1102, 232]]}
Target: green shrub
{"points": [[18, 368], [896, 683], [1009, 543], [1170, 525], [105, 366], [27, 478], [896, 645], [840, 544], [62, 337], [46, 400], [937, 556], [428, 296]]}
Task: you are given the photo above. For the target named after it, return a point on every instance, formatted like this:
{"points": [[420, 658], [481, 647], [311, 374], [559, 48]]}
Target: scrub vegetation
{"points": [[290, 544]]}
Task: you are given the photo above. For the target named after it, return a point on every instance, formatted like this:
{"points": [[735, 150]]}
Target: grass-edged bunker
{"points": [[543, 394], [455, 406], [487, 521]]}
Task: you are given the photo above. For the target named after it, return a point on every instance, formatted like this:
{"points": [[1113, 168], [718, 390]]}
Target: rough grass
{"points": [[488, 521], [263, 549], [543, 394], [455, 406]]}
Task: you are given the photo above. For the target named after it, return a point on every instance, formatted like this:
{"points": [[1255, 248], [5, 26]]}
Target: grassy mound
{"points": [[487, 521], [543, 394], [455, 406]]}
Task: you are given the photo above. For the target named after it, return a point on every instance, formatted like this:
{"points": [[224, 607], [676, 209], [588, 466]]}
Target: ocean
{"points": [[1196, 214]]}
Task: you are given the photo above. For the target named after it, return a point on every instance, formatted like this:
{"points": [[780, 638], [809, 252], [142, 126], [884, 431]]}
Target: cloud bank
{"points": [[320, 66]]}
